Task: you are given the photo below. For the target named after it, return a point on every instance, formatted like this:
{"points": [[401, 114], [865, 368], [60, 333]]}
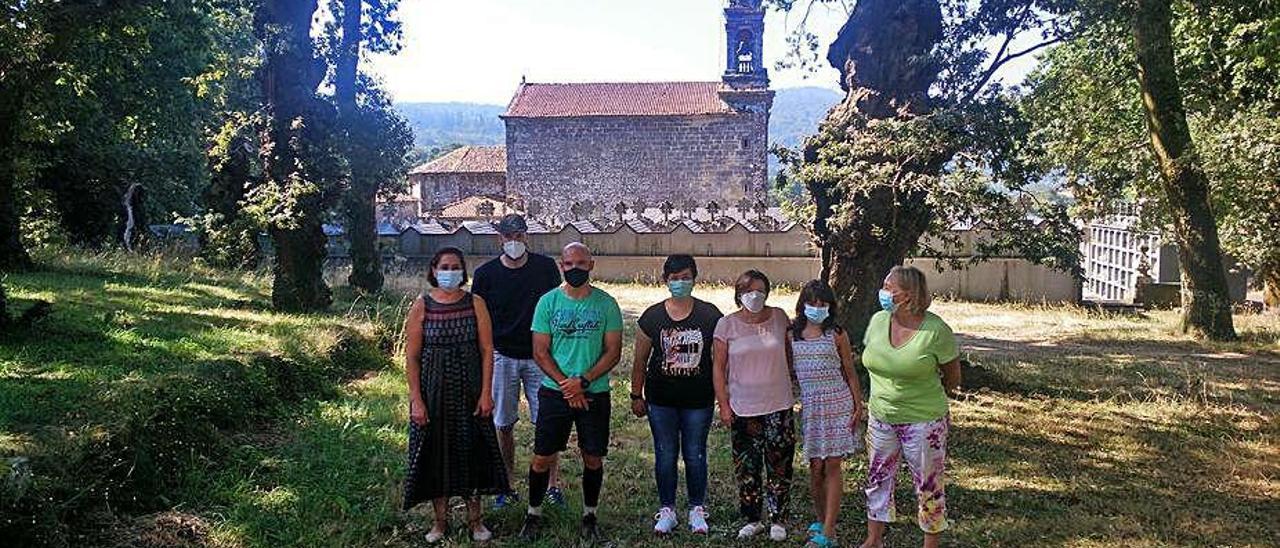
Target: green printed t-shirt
{"points": [[577, 328], [905, 383]]}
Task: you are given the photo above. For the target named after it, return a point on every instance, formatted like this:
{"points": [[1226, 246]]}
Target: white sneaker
{"points": [[436, 535], [698, 520], [666, 521], [777, 533], [751, 529], [483, 534]]}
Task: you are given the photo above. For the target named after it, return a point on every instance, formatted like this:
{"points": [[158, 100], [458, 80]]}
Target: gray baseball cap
{"points": [[512, 223]]}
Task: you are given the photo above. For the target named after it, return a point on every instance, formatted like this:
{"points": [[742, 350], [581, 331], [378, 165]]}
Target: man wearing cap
{"points": [[511, 285]]}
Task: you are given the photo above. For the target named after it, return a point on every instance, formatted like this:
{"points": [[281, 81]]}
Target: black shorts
{"points": [[556, 419]]}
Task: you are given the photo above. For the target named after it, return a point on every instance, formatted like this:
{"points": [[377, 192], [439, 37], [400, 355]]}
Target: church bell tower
{"points": [[744, 53]]}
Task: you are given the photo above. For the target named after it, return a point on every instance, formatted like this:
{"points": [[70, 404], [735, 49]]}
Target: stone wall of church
{"points": [[441, 189], [554, 162]]}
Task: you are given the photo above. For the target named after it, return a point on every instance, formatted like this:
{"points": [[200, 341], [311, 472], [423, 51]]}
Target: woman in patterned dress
{"points": [[453, 448], [831, 403]]}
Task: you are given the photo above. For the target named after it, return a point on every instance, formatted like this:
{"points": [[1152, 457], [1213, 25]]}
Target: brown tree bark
{"points": [[1206, 303], [1271, 290], [360, 200], [299, 283], [290, 78], [881, 53]]}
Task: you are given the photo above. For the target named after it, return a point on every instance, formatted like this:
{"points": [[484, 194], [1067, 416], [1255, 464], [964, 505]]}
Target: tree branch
{"points": [[995, 66]]}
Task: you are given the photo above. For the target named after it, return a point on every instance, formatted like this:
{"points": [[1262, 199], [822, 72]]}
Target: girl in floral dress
{"points": [[831, 403]]}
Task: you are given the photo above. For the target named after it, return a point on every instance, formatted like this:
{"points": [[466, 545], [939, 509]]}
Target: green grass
{"points": [[1074, 429], [147, 370]]}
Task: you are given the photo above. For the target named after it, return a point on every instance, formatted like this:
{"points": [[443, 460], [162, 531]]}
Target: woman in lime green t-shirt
{"points": [[911, 356]]}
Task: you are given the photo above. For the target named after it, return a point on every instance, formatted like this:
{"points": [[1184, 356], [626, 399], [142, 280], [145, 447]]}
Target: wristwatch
{"points": [[637, 397], [583, 381]]}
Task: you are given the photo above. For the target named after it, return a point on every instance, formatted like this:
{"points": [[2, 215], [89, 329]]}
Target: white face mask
{"points": [[514, 249], [753, 301]]}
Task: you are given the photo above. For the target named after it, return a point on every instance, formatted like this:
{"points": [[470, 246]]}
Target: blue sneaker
{"points": [[555, 496], [506, 499], [815, 528]]}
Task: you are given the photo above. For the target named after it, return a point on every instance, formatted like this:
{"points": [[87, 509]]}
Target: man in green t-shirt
{"points": [[577, 339]]}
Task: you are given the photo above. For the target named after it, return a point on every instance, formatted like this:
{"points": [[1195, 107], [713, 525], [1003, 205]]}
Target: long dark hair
{"points": [[815, 290], [435, 261]]}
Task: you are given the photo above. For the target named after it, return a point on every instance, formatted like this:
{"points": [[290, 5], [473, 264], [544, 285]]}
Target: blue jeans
{"points": [[682, 431]]}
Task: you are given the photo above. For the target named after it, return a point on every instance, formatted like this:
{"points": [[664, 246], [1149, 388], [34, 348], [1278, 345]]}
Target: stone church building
{"points": [[629, 142]]}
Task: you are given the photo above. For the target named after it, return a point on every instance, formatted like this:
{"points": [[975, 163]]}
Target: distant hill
{"points": [[796, 113], [442, 124]]}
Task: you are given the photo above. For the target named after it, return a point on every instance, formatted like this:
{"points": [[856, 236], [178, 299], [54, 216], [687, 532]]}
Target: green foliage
{"points": [[1085, 105], [379, 142], [971, 157], [105, 100]]}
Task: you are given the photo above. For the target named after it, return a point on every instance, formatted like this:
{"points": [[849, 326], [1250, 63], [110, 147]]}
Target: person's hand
{"points": [[726, 415], [484, 407], [578, 402], [570, 387], [418, 411], [639, 408], [859, 416]]}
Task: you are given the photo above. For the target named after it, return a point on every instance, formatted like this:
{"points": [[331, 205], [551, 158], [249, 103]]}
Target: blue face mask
{"points": [[448, 279], [816, 314], [886, 300], [680, 288]]}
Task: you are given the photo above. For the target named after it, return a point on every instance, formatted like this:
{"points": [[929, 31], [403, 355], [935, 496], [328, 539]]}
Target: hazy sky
{"points": [[477, 50]]}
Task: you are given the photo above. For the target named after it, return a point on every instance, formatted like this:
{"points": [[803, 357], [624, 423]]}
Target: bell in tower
{"points": [[744, 36]]}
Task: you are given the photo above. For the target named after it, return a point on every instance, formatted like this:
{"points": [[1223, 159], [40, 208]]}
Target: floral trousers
{"points": [[764, 446], [924, 446]]}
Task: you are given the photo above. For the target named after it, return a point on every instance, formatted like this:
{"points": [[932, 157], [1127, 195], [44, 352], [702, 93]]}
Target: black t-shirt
{"points": [[678, 373], [511, 295]]}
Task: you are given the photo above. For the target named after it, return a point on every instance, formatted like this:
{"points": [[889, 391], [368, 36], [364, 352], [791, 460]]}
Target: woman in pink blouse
{"points": [[753, 378]]}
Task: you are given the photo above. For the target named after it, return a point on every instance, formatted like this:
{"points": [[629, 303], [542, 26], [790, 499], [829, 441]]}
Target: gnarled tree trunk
{"points": [[1206, 303], [864, 231]]}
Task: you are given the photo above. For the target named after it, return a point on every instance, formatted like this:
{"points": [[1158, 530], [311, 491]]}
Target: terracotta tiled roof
{"points": [[617, 99], [469, 208], [468, 159]]}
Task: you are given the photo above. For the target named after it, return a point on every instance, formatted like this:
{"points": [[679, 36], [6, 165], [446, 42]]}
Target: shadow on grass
{"points": [[1126, 482], [330, 476], [1090, 369]]}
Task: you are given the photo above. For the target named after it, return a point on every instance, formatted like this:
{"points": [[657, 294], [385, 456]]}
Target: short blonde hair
{"points": [[912, 281]]}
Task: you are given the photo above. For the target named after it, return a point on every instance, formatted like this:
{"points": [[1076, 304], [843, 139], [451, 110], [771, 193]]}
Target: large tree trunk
{"points": [[289, 82], [366, 262], [864, 231], [299, 281], [1206, 304], [361, 207], [13, 254]]}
